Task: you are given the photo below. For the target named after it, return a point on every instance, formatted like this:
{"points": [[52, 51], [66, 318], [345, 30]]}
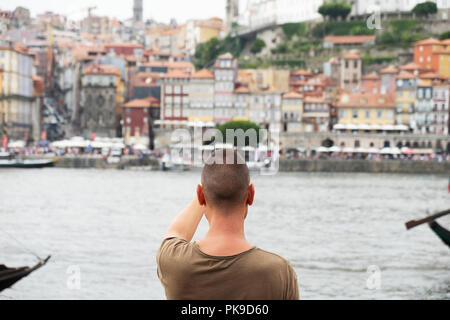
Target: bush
{"points": [[206, 53], [369, 60], [333, 10], [257, 46], [234, 125], [402, 33], [294, 29], [425, 8], [340, 28], [445, 35]]}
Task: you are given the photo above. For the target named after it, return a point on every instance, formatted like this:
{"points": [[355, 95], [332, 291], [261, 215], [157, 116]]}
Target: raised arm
{"points": [[185, 224]]}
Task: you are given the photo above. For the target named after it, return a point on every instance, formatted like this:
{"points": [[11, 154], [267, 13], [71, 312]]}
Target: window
{"points": [[389, 114], [367, 114], [355, 113], [379, 113]]}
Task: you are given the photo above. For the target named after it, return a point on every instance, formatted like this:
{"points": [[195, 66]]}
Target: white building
{"points": [[225, 71], [255, 14], [440, 113], [368, 7]]}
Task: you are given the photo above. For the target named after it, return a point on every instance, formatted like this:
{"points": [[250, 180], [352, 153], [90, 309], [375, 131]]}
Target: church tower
{"points": [[137, 10]]}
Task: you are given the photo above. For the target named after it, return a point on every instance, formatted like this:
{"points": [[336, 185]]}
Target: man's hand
{"points": [[186, 223]]}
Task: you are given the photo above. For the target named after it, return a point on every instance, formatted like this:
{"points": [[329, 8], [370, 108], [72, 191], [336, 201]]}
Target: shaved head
{"points": [[225, 183]]}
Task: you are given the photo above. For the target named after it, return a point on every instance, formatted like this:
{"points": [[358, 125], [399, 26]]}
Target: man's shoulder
{"points": [[271, 258]]}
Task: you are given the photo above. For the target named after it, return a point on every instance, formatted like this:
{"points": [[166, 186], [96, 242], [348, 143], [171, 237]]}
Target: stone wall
{"points": [[100, 163], [385, 166]]}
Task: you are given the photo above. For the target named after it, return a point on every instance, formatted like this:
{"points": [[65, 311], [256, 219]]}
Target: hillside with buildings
{"points": [[286, 70]]}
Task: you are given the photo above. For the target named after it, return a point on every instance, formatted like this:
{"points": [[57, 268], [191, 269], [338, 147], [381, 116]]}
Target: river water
{"points": [[108, 225]]}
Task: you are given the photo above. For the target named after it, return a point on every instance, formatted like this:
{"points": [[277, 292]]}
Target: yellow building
{"points": [[16, 100], [201, 97], [443, 56], [365, 111], [291, 112], [405, 99], [266, 78]]}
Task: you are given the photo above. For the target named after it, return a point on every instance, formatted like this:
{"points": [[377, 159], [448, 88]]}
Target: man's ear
{"points": [[250, 194], [200, 195]]}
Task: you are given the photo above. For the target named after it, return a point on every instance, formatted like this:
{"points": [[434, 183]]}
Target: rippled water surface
{"points": [[331, 227]]}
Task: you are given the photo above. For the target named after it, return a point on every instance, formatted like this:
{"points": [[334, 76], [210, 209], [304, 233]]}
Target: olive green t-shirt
{"points": [[187, 273]]}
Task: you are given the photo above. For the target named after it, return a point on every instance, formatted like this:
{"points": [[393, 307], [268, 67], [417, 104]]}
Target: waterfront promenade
{"points": [[285, 165]]}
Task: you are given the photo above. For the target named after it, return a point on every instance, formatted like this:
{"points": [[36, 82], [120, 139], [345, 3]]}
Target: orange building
{"points": [[433, 54]]}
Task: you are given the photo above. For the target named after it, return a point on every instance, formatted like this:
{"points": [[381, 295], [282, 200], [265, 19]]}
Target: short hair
{"points": [[225, 183]]}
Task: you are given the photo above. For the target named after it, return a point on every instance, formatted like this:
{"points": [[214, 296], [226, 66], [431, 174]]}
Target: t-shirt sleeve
{"points": [[170, 249], [292, 284]]}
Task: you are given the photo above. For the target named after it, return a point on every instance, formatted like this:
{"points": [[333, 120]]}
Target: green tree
{"points": [[445, 35], [334, 10], [238, 124], [292, 29], [257, 45], [425, 8], [206, 53]]}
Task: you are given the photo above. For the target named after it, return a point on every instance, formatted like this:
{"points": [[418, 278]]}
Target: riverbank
{"points": [[124, 162], [367, 166], [285, 165]]}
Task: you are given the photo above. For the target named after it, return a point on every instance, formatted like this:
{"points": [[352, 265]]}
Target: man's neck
{"points": [[225, 235]]}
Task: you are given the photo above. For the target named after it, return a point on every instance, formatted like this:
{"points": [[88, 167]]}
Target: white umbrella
{"points": [[334, 149], [17, 144], [348, 150], [322, 149], [139, 146]]}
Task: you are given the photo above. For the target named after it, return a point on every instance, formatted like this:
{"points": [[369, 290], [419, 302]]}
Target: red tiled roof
{"points": [[352, 56], [428, 41], [225, 56], [389, 69], [100, 69], [292, 95], [405, 75], [371, 76], [124, 44], [142, 103], [176, 74], [365, 100], [203, 74], [242, 90], [349, 39], [310, 99], [302, 72], [432, 75]]}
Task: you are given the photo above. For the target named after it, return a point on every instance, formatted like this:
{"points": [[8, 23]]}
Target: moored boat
{"points": [[9, 276], [441, 232], [8, 161]]}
